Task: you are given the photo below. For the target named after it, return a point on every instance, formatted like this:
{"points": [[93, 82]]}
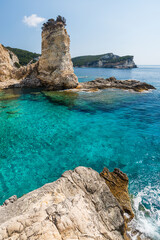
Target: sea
{"points": [[43, 134]]}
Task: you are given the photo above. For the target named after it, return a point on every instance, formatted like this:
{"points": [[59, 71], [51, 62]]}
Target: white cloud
{"points": [[33, 20]]}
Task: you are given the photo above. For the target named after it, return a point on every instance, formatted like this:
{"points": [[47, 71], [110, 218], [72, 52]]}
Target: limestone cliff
{"points": [[8, 61]]}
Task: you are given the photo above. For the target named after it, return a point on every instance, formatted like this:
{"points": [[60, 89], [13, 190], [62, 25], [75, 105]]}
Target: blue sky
{"points": [[124, 27]]}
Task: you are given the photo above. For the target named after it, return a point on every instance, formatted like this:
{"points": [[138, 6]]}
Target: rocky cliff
{"points": [[80, 205], [8, 63], [108, 60]]}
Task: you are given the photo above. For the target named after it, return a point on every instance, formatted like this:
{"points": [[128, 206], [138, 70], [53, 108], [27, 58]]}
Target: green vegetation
{"points": [[83, 60], [51, 23], [24, 56], [91, 59], [120, 59]]}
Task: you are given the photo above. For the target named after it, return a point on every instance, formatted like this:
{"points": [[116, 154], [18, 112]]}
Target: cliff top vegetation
{"points": [[24, 56], [51, 23], [90, 59]]}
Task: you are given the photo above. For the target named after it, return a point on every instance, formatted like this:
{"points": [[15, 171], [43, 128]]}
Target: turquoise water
{"points": [[44, 134]]}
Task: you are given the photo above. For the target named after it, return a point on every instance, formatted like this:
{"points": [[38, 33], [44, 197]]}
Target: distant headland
{"points": [[108, 60]]}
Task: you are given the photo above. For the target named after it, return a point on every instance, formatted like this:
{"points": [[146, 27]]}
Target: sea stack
{"points": [[55, 65], [54, 69]]}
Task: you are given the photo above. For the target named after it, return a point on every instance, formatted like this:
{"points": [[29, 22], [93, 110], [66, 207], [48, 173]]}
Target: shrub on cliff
{"points": [[51, 23], [61, 19]]}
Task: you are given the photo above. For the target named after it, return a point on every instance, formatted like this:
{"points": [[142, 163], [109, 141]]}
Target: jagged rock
{"points": [[101, 83], [11, 74], [55, 65], [79, 205], [117, 182], [28, 77]]}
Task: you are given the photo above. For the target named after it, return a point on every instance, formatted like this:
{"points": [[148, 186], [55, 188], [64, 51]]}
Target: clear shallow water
{"points": [[44, 134]]}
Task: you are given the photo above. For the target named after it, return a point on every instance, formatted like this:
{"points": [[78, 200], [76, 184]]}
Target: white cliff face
{"points": [[55, 65], [79, 205], [129, 63]]}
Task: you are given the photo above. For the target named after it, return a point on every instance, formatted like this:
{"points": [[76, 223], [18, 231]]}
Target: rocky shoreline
{"points": [[82, 204], [54, 69], [112, 82]]}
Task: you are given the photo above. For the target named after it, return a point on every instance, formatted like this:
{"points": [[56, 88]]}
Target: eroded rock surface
{"points": [[117, 181], [79, 205]]}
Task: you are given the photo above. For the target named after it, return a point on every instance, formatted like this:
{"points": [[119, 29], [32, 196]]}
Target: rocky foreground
{"points": [[82, 205]]}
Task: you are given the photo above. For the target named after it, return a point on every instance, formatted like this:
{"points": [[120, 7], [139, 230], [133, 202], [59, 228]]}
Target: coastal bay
{"points": [[55, 118], [47, 134]]}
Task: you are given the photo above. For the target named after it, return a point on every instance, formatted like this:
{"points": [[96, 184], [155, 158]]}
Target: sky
{"points": [[124, 27]]}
